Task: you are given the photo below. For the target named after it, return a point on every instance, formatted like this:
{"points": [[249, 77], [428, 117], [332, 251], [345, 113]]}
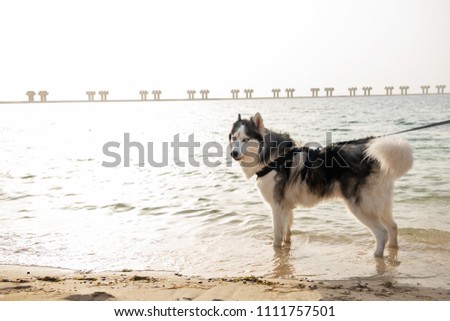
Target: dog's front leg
{"points": [[277, 227], [282, 222]]}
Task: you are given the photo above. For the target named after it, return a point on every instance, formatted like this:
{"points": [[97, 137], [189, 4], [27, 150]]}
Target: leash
{"points": [[421, 127]]}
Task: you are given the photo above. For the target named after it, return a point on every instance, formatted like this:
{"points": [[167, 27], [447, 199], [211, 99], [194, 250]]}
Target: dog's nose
{"points": [[234, 154]]}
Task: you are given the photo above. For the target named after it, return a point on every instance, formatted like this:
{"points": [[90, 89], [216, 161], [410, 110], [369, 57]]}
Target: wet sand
{"points": [[38, 284]]}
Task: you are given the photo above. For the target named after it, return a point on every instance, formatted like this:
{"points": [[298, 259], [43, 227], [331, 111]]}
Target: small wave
{"points": [[183, 212], [427, 236], [77, 208], [426, 198], [14, 198], [211, 211], [120, 207], [341, 130], [324, 237], [29, 176], [157, 210], [403, 121], [223, 215]]}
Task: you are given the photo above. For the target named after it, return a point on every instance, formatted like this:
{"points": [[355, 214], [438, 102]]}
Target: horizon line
{"points": [[213, 98]]}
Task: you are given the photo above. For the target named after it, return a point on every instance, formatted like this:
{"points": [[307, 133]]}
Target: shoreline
{"points": [[29, 283]]}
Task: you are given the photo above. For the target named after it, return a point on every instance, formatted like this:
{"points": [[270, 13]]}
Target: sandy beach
{"points": [[18, 283]]}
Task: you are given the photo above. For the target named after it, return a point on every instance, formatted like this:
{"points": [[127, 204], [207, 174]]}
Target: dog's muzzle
{"points": [[236, 153]]}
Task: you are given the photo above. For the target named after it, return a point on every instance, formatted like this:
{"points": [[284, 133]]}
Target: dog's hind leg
{"points": [[282, 222], [288, 226], [374, 222], [388, 220]]}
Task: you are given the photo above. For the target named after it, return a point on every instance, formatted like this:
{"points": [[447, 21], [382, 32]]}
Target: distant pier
{"points": [[235, 94]]}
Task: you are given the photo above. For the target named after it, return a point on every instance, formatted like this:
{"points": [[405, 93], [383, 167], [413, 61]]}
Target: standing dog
{"points": [[360, 172]]}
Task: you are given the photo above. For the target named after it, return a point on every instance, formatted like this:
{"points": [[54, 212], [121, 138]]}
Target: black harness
{"points": [[284, 163]]}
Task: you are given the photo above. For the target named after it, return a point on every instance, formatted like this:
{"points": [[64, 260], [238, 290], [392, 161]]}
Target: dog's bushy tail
{"points": [[394, 154]]}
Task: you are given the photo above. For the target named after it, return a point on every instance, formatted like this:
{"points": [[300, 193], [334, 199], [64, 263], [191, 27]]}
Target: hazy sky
{"points": [[125, 46]]}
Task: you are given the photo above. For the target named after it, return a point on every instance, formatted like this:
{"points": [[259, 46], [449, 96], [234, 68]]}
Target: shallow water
{"points": [[60, 207]]}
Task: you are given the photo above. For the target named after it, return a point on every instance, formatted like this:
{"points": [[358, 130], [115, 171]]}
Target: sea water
{"points": [[60, 206]]}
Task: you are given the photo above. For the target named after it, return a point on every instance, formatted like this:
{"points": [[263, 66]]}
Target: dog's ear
{"points": [[239, 117], [258, 121]]}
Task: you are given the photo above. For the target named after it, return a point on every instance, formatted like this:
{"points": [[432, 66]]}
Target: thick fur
{"points": [[360, 172]]}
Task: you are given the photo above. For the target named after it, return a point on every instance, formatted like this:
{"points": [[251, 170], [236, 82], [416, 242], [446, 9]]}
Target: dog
{"points": [[360, 172]]}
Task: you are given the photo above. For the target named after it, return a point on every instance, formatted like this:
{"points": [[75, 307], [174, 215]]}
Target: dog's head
{"points": [[245, 139]]}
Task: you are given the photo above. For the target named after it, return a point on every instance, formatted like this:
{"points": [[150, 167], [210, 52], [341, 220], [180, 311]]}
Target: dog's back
{"points": [[347, 166]]}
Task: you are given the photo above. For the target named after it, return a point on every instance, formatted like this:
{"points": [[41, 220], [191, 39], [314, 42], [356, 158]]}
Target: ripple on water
{"points": [[427, 236], [120, 207], [157, 210], [184, 212], [18, 197], [29, 176]]}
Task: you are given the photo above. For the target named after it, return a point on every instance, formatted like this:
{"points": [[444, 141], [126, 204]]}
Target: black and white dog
{"points": [[360, 172]]}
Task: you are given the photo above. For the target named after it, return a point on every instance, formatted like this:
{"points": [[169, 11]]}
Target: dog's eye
{"points": [[233, 138], [245, 140]]}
